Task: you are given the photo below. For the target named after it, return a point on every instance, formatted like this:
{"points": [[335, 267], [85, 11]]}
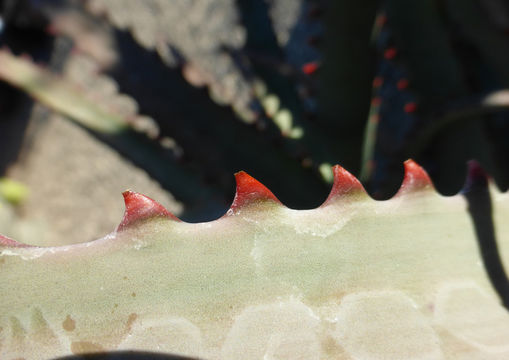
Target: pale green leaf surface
{"points": [[353, 279]]}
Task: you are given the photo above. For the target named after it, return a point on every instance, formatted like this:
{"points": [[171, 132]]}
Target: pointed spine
{"points": [[415, 179], [345, 184], [7, 242], [140, 207], [250, 190]]}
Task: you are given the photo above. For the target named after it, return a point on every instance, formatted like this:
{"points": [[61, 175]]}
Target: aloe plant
{"points": [[419, 276], [353, 279]]}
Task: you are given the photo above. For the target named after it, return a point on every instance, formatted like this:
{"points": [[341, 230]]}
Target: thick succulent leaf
{"points": [[199, 39], [352, 279], [93, 101]]}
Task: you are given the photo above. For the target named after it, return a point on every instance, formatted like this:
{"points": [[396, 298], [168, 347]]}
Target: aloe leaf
{"points": [[353, 279], [58, 94], [112, 124]]}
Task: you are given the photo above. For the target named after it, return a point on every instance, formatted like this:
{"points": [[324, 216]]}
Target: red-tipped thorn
{"points": [[6, 242], [415, 178], [345, 184], [140, 207], [250, 190], [310, 68]]}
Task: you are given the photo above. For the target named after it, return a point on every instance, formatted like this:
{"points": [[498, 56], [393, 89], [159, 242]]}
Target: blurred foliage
{"points": [[279, 88]]}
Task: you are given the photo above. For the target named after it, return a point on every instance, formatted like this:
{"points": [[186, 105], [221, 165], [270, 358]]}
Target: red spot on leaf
{"points": [[410, 107], [378, 81], [390, 53], [402, 84], [310, 68]]}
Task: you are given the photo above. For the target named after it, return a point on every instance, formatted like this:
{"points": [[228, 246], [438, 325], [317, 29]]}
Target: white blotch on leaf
{"points": [[173, 335], [376, 325], [281, 330], [470, 314]]}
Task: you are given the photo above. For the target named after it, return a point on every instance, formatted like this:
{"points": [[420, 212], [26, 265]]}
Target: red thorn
{"points": [[415, 178], [345, 184], [141, 207], [378, 81], [6, 242], [310, 68], [250, 190], [390, 53], [410, 107], [402, 84]]}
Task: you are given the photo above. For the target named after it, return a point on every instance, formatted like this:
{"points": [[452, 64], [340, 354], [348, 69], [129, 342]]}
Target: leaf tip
{"points": [[140, 207], [250, 190]]}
